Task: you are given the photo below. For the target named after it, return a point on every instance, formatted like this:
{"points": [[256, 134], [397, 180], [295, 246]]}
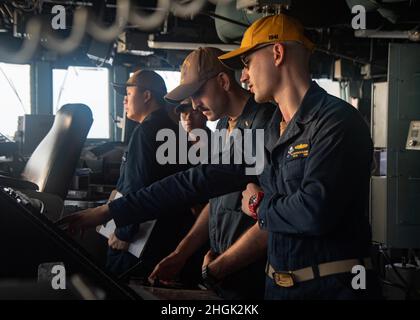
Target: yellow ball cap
{"points": [[275, 28]]}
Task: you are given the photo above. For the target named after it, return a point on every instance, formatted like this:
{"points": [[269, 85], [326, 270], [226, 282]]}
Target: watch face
{"points": [[205, 273], [253, 199], [209, 281]]}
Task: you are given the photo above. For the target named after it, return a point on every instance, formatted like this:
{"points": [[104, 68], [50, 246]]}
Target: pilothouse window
{"points": [[15, 95], [172, 78], [85, 85]]}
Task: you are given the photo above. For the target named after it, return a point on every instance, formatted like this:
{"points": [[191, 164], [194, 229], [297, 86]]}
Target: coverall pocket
{"points": [[294, 169]]}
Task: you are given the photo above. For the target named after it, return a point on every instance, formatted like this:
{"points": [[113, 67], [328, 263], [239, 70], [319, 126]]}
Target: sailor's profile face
{"points": [[258, 73], [192, 119], [133, 103], [209, 100]]}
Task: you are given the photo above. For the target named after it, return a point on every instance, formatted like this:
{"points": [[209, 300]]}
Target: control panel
{"points": [[413, 139], [7, 146], [34, 205]]}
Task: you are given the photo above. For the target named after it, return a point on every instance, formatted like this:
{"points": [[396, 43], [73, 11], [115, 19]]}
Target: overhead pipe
{"points": [[82, 24]]}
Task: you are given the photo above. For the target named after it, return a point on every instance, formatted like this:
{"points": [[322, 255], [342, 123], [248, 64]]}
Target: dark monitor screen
{"points": [[32, 128]]}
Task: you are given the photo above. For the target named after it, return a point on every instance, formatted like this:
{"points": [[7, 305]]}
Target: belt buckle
{"points": [[284, 279]]}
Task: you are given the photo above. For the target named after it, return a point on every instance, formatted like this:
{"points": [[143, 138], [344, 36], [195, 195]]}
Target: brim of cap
{"points": [[184, 91], [182, 107], [121, 88], [233, 59]]}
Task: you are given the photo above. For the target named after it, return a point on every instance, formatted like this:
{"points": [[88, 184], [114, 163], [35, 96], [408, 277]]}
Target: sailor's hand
{"points": [[251, 189], [117, 244], [167, 270], [208, 258], [85, 219]]}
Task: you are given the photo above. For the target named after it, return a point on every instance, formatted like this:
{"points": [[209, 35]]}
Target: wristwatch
{"points": [[254, 202], [208, 280]]}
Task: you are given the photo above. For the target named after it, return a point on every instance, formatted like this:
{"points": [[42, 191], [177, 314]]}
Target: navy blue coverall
{"points": [[316, 184], [227, 222], [140, 168]]}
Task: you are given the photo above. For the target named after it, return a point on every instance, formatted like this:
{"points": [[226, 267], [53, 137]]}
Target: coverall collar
{"points": [[309, 107]]}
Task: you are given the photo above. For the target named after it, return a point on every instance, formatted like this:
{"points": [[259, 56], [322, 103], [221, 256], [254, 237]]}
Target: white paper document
{"points": [[139, 241]]}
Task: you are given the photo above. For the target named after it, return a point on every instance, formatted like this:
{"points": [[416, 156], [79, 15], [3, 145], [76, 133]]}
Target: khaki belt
{"points": [[289, 278]]}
